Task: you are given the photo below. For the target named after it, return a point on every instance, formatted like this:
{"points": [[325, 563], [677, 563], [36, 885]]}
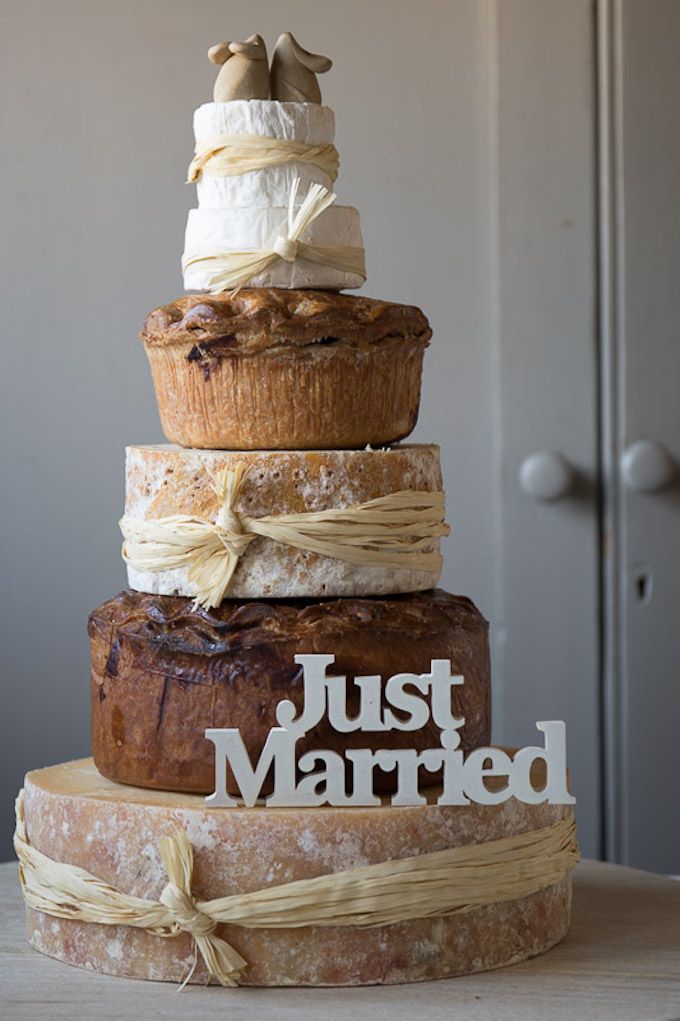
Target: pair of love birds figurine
{"points": [[246, 73]]}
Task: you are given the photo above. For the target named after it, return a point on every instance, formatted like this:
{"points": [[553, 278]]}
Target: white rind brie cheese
{"points": [[298, 122], [218, 231], [249, 211]]}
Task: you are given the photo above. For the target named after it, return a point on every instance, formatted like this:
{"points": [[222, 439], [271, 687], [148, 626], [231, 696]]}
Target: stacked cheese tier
{"points": [[77, 816], [238, 212], [281, 402]]}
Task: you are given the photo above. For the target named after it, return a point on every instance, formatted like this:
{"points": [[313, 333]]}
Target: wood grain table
{"points": [[620, 961]]}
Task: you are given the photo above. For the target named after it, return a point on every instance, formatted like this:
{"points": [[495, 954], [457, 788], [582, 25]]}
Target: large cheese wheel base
{"points": [[74, 815]]}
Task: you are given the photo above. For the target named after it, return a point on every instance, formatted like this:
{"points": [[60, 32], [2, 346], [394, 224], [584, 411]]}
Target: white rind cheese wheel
{"points": [[235, 230], [75, 816], [248, 211], [164, 480], [298, 122]]}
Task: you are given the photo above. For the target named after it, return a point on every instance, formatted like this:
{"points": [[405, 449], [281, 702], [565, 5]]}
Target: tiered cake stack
{"points": [[282, 397]]}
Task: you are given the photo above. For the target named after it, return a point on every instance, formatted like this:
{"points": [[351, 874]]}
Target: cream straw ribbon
{"points": [[396, 530], [230, 155], [232, 269], [453, 881]]}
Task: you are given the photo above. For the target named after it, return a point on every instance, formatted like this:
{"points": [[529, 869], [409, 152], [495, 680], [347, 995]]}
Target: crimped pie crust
{"points": [[258, 319]]}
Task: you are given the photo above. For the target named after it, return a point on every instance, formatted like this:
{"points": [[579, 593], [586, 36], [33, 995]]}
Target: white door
{"points": [[544, 140], [640, 148], [587, 150]]}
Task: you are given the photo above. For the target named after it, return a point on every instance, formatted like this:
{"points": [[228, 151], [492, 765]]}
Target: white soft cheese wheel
{"points": [[298, 122], [164, 480], [217, 231]]}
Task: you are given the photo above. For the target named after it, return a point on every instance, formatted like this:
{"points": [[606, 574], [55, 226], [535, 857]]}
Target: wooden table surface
{"points": [[620, 961]]}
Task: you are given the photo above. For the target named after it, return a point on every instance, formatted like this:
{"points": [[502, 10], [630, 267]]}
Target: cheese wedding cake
{"points": [[292, 779]]}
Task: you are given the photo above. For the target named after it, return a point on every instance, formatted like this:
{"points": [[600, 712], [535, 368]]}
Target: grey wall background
{"points": [[96, 104]]}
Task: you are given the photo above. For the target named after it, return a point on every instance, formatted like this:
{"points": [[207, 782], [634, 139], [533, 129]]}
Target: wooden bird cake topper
{"points": [[245, 73], [294, 71]]}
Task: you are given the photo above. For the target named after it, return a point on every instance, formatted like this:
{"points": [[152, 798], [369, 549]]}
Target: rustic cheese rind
{"points": [[76, 816], [164, 480]]}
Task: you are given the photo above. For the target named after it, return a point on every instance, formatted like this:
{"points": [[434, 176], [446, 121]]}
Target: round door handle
{"points": [[546, 475], [647, 466]]}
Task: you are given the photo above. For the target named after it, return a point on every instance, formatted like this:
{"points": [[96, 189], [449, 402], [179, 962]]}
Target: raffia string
{"points": [[453, 881], [230, 155], [395, 530], [232, 269]]}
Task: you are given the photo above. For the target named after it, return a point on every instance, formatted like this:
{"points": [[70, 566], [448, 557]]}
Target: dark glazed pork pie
{"points": [[162, 673]]}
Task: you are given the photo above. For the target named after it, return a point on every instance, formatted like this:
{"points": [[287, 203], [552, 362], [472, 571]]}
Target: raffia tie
{"points": [[449, 882], [231, 155], [396, 530], [233, 269]]}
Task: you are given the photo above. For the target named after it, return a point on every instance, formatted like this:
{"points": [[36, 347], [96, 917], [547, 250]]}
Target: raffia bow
{"points": [[396, 530], [230, 155], [233, 269], [453, 881], [67, 891]]}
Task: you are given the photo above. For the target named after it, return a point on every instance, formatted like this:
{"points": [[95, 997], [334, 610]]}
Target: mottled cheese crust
{"points": [[165, 480], [76, 816]]}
